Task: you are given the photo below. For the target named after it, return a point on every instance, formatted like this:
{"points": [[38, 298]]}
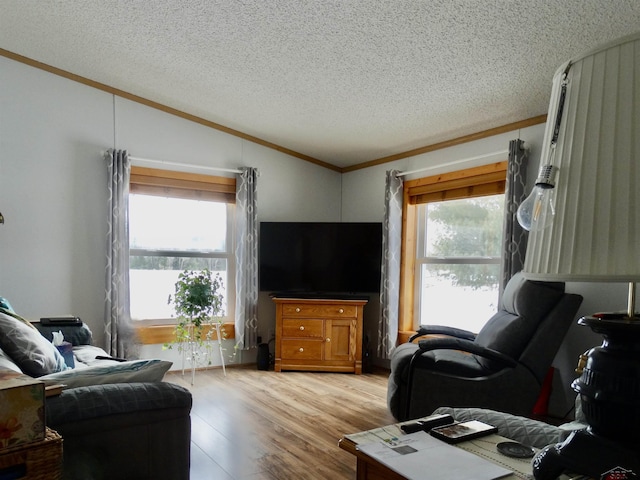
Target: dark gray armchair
{"points": [[501, 368]]}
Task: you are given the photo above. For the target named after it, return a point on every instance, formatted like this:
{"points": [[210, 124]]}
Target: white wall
{"points": [[52, 178], [53, 182]]}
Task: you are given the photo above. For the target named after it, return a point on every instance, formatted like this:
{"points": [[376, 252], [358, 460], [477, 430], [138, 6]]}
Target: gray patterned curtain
{"points": [[390, 282], [246, 321], [515, 237], [117, 318]]}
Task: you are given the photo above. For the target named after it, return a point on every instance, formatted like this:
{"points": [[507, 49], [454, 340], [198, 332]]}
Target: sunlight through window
{"points": [[168, 235]]}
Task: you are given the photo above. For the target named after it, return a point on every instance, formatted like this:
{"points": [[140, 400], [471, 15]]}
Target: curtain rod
{"points": [[464, 160], [190, 165]]}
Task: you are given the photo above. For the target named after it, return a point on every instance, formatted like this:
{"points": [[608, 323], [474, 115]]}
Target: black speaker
{"points": [[263, 356]]}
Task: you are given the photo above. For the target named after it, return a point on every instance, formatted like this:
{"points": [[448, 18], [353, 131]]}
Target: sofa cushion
{"points": [[112, 372], [90, 355], [33, 354]]}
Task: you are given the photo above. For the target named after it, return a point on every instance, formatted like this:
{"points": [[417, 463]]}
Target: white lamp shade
{"points": [[595, 233]]}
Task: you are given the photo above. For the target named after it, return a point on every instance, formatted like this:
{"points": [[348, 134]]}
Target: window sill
{"points": [[161, 334], [403, 336]]}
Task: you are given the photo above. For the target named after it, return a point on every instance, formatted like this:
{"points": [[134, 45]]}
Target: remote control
{"points": [[426, 424]]}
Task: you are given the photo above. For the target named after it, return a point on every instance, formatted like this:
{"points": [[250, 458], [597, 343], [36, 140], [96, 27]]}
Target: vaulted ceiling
{"points": [[340, 81]]}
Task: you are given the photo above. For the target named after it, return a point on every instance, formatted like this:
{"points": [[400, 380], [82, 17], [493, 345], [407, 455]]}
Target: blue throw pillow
{"points": [[4, 303]]}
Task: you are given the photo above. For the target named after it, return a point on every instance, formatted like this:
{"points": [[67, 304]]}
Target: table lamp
{"points": [[586, 228]]}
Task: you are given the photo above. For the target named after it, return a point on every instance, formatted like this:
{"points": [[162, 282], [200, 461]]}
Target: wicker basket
{"points": [[34, 461]]}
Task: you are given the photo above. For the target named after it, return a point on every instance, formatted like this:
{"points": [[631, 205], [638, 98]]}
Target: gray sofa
{"points": [[123, 431], [117, 419]]}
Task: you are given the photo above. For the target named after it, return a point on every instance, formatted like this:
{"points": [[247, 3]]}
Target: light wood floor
{"points": [[262, 425]]}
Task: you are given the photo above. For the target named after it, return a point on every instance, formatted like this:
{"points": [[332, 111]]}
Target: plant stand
{"points": [[194, 352], [199, 306], [219, 334], [199, 353]]}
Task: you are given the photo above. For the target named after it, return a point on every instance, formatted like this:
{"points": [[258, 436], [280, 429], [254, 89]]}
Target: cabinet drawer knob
{"points": [[301, 349], [328, 340], [297, 309], [301, 327], [341, 310]]}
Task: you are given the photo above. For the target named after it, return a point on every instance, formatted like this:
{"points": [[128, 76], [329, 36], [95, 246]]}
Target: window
{"points": [[177, 221], [452, 240], [458, 261]]}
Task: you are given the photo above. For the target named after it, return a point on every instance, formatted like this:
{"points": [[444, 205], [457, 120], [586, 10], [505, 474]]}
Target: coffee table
{"points": [[369, 468]]}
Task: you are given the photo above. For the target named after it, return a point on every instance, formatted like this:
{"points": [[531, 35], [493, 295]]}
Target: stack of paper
{"points": [[419, 455]]}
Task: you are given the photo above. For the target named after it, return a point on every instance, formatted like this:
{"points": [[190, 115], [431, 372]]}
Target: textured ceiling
{"points": [[342, 81]]}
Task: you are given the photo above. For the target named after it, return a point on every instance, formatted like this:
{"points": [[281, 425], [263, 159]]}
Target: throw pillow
{"points": [[122, 372], [4, 303], [33, 353]]}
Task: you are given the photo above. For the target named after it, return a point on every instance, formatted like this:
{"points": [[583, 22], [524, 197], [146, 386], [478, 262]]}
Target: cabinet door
{"points": [[340, 341]]}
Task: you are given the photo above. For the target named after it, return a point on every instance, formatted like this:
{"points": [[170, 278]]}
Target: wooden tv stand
{"points": [[323, 335]]}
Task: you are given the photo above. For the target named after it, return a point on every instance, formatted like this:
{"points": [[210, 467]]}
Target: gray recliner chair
{"points": [[501, 368]]}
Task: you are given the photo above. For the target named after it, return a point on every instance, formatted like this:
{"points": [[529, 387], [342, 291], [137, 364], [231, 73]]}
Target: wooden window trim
{"points": [[469, 183], [195, 186], [161, 334]]}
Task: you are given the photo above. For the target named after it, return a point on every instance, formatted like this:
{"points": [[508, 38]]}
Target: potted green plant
{"points": [[198, 303]]}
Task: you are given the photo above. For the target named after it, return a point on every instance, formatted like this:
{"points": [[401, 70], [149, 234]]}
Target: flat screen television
{"points": [[320, 258]]}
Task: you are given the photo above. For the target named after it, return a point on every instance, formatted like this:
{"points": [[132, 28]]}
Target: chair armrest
{"points": [[75, 334], [127, 430], [521, 429], [449, 343], [83, 403], [443, 330]]}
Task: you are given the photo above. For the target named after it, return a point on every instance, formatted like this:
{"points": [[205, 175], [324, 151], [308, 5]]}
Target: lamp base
{"points": [[587, 454], [609, 389]]}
